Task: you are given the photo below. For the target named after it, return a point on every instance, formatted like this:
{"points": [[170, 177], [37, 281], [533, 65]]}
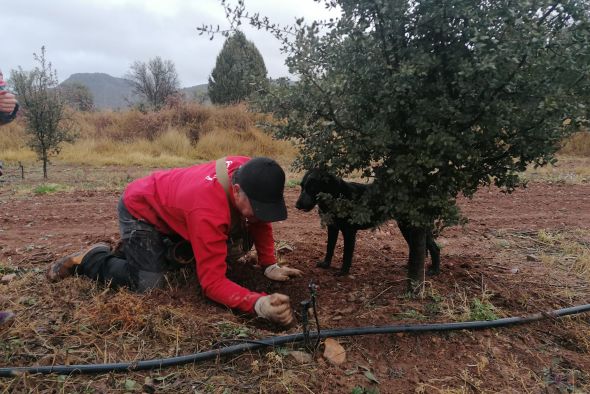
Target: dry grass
{"points": [[81, 322], [567, 170], [577, 145], [188, 132], [175, 136], [562, 255], [567, 250]]}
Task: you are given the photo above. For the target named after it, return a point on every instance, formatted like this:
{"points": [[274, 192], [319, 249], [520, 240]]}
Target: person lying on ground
{"points": [[222, 208]]}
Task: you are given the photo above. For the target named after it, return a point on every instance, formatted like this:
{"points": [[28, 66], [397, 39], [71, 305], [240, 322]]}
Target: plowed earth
{"points": [[506, 256]]}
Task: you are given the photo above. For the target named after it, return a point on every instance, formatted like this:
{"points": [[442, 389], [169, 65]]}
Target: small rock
{"points": [[532, 257], [347, 311], [301, 357], [8, 278], [6, 316], [334, 352], [514, 270]]}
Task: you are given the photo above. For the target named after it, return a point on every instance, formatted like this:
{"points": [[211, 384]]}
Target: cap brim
{"points": [[269, 212]]}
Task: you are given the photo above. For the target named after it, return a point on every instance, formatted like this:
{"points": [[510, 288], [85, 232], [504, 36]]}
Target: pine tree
{"points": [[239, 71]]}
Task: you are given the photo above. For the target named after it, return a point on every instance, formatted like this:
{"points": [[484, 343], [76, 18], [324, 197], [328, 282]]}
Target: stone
{"points": [[8, 278]]}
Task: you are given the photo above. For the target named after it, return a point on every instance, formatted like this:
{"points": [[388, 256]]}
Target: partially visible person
{"points": [[8, 103], [221, 207], [8, 109]]}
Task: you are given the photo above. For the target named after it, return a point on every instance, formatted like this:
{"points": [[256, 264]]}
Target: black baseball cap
{"points": [[263, 181]]}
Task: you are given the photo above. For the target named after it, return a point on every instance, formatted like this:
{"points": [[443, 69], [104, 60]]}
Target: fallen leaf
{"points": [[301, 357], [334, 352], [8, 278], [130, 384], [284, 247], [369, 375]]}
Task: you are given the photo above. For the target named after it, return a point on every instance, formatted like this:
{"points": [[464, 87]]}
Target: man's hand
{"points": [[281, 274], [276, 308]]}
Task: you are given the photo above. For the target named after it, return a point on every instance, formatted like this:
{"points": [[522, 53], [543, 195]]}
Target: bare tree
{"points": [[78, 96], [44, 109], [154, 81]]}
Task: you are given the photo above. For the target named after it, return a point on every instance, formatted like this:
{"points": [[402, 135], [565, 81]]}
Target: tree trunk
{"points": [[45, 160], [416, 239]]}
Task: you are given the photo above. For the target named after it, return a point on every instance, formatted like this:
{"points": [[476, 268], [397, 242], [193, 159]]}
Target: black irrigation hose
{"points": [[281, 340]]}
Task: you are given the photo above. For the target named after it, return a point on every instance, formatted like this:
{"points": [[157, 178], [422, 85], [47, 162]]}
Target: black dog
{"points": [[317, 181]]}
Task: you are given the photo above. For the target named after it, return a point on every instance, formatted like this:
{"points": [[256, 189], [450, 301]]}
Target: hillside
{"points": [[114, 93]]}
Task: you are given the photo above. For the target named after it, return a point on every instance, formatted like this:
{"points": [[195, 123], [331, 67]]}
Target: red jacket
{"points": [[191, 202]]}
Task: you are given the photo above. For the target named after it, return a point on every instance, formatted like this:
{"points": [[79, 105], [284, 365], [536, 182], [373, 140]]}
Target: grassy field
{"points": [[185, 134], [177, 136]]}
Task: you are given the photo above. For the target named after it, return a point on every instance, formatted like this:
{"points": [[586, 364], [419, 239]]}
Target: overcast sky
{"points": [[83, 36]]}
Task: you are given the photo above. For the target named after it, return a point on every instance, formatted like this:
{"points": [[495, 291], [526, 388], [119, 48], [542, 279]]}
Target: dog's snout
{"points": [[305, 202]]}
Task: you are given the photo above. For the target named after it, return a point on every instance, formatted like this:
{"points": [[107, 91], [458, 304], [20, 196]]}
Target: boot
{"points": [[66, 266]]}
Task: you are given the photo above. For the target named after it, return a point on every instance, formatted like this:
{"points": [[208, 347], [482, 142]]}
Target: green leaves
{"points": [[44, 109], [434, 99]]}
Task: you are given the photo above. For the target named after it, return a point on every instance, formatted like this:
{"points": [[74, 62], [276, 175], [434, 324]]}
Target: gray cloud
{"points": [[108, 35]]}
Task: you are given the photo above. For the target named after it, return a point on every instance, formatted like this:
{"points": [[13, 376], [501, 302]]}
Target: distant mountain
{"points": [[116, 93], [108, 91], [197, 93]]}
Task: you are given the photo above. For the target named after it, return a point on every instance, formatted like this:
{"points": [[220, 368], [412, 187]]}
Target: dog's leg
{"points": [[332, 238], [434, 254], [349, 235]]}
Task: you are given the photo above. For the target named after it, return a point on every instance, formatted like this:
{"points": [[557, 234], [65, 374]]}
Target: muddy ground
{"points": [[519, 254]]}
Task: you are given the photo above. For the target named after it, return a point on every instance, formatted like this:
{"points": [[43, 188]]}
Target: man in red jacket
{"points": [[215, 206]]}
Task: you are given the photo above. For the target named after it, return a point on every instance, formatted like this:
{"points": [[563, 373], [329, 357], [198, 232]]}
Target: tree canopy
{"points": [[431, 98], [239, 71], [436, 98]]}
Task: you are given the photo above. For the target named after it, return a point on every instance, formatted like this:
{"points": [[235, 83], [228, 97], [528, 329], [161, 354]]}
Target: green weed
{"points": [[482, 310], [293, 183], [231, 330], [48, 188]]}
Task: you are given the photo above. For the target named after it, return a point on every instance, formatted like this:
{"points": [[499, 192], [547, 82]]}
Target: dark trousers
{"points": [[142, 261]]}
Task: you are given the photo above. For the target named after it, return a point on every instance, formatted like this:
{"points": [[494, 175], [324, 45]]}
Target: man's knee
{"points": [[147, 280]]}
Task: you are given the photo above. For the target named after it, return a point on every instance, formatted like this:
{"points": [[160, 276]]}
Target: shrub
{"points": [[577, 145]]}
